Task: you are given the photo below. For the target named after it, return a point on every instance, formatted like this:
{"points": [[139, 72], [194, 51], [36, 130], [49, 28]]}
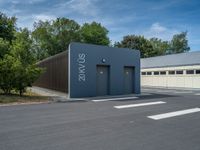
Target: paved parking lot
{"points": [[157, 120]]}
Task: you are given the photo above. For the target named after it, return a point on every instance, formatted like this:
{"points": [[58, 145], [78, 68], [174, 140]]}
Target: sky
{"points": [[151, 18]]}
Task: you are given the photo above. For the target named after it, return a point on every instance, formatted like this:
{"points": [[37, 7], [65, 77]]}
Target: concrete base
{"points": [[170, 88], [48, 92], [63, 97]]}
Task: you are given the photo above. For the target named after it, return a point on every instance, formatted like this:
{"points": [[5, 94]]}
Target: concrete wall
{"points": [[172, 81]]}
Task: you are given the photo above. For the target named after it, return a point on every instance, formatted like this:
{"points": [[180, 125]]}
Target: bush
{"points": [[25, 76], [6, 74], [15, 76], [17, 68]]}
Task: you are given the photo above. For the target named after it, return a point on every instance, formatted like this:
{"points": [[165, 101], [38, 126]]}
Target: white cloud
{"points": [[157, 28], [84, 7], [15, 2], [159, 31], [43, 17], [28, 20], [35, 1]]}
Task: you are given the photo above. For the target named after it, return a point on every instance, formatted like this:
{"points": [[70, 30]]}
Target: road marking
{"points": [[174, 114], [148, 89], [146, 94], [138, 105], [164, 91], [111, 99], [197, 94], [182, 92]]}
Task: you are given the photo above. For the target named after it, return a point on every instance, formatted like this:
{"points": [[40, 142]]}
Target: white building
{"points": [[172, 71]]}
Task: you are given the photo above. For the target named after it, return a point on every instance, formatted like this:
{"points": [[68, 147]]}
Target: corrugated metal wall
{"points": [[55, 76]]}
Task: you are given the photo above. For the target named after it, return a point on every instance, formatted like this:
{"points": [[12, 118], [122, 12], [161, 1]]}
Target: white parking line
{"points": [[112, 99], [138, 105], [175, 113], [182, 92], [197, 94], [164, 91], [145, 94]]}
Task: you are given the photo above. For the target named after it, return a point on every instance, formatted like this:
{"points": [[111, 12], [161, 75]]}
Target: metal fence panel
{"points": [[55, 76]]}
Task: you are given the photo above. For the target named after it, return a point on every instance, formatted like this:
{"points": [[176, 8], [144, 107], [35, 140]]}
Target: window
{"points": [[189, 71], [163, 73], [156, 73], [197, 71], [171, 72], [179, 72], [149, 73], [144, 73]]}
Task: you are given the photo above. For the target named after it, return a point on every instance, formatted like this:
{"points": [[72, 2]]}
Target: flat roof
{"points": [[172, 60]]}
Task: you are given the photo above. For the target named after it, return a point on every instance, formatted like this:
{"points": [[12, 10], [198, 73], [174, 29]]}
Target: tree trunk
{"points": [[20, 92]]}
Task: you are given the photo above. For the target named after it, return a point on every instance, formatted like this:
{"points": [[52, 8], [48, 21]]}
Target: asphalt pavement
{"points": [[157, 120]]}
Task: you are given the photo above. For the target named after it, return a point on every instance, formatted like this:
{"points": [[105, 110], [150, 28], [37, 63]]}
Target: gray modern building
{"points": [[87, 70]]}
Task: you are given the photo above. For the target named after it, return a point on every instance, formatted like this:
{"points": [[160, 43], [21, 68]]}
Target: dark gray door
{"points": [[128, 80], [102, 80]]}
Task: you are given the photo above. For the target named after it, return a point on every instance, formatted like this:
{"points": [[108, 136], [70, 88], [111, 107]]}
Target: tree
{"points": [[7, 73], [179, 43], [52, 37], [94, 33], [7, 27], [25, 76], [25, 70], [137, 43], [7, 31], [21, 47], [17, 68], [4, 47], [155, 46], [159, 47], [41, 38], [65, 31]]}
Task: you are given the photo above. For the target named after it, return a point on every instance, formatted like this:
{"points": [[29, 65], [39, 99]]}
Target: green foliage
{"points": [[65, 31], [137, 43], [4, 47], [25, 76], [155, 46], [7, 70], [7, 27], [7, 31], [52, 37], [26, 72], [17, 68], [21, 47], [159, 47], [179, 43], [42, 39], [94, 33]]}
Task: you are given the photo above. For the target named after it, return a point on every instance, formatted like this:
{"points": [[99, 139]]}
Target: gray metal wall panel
{"points": [[83, 61]]}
